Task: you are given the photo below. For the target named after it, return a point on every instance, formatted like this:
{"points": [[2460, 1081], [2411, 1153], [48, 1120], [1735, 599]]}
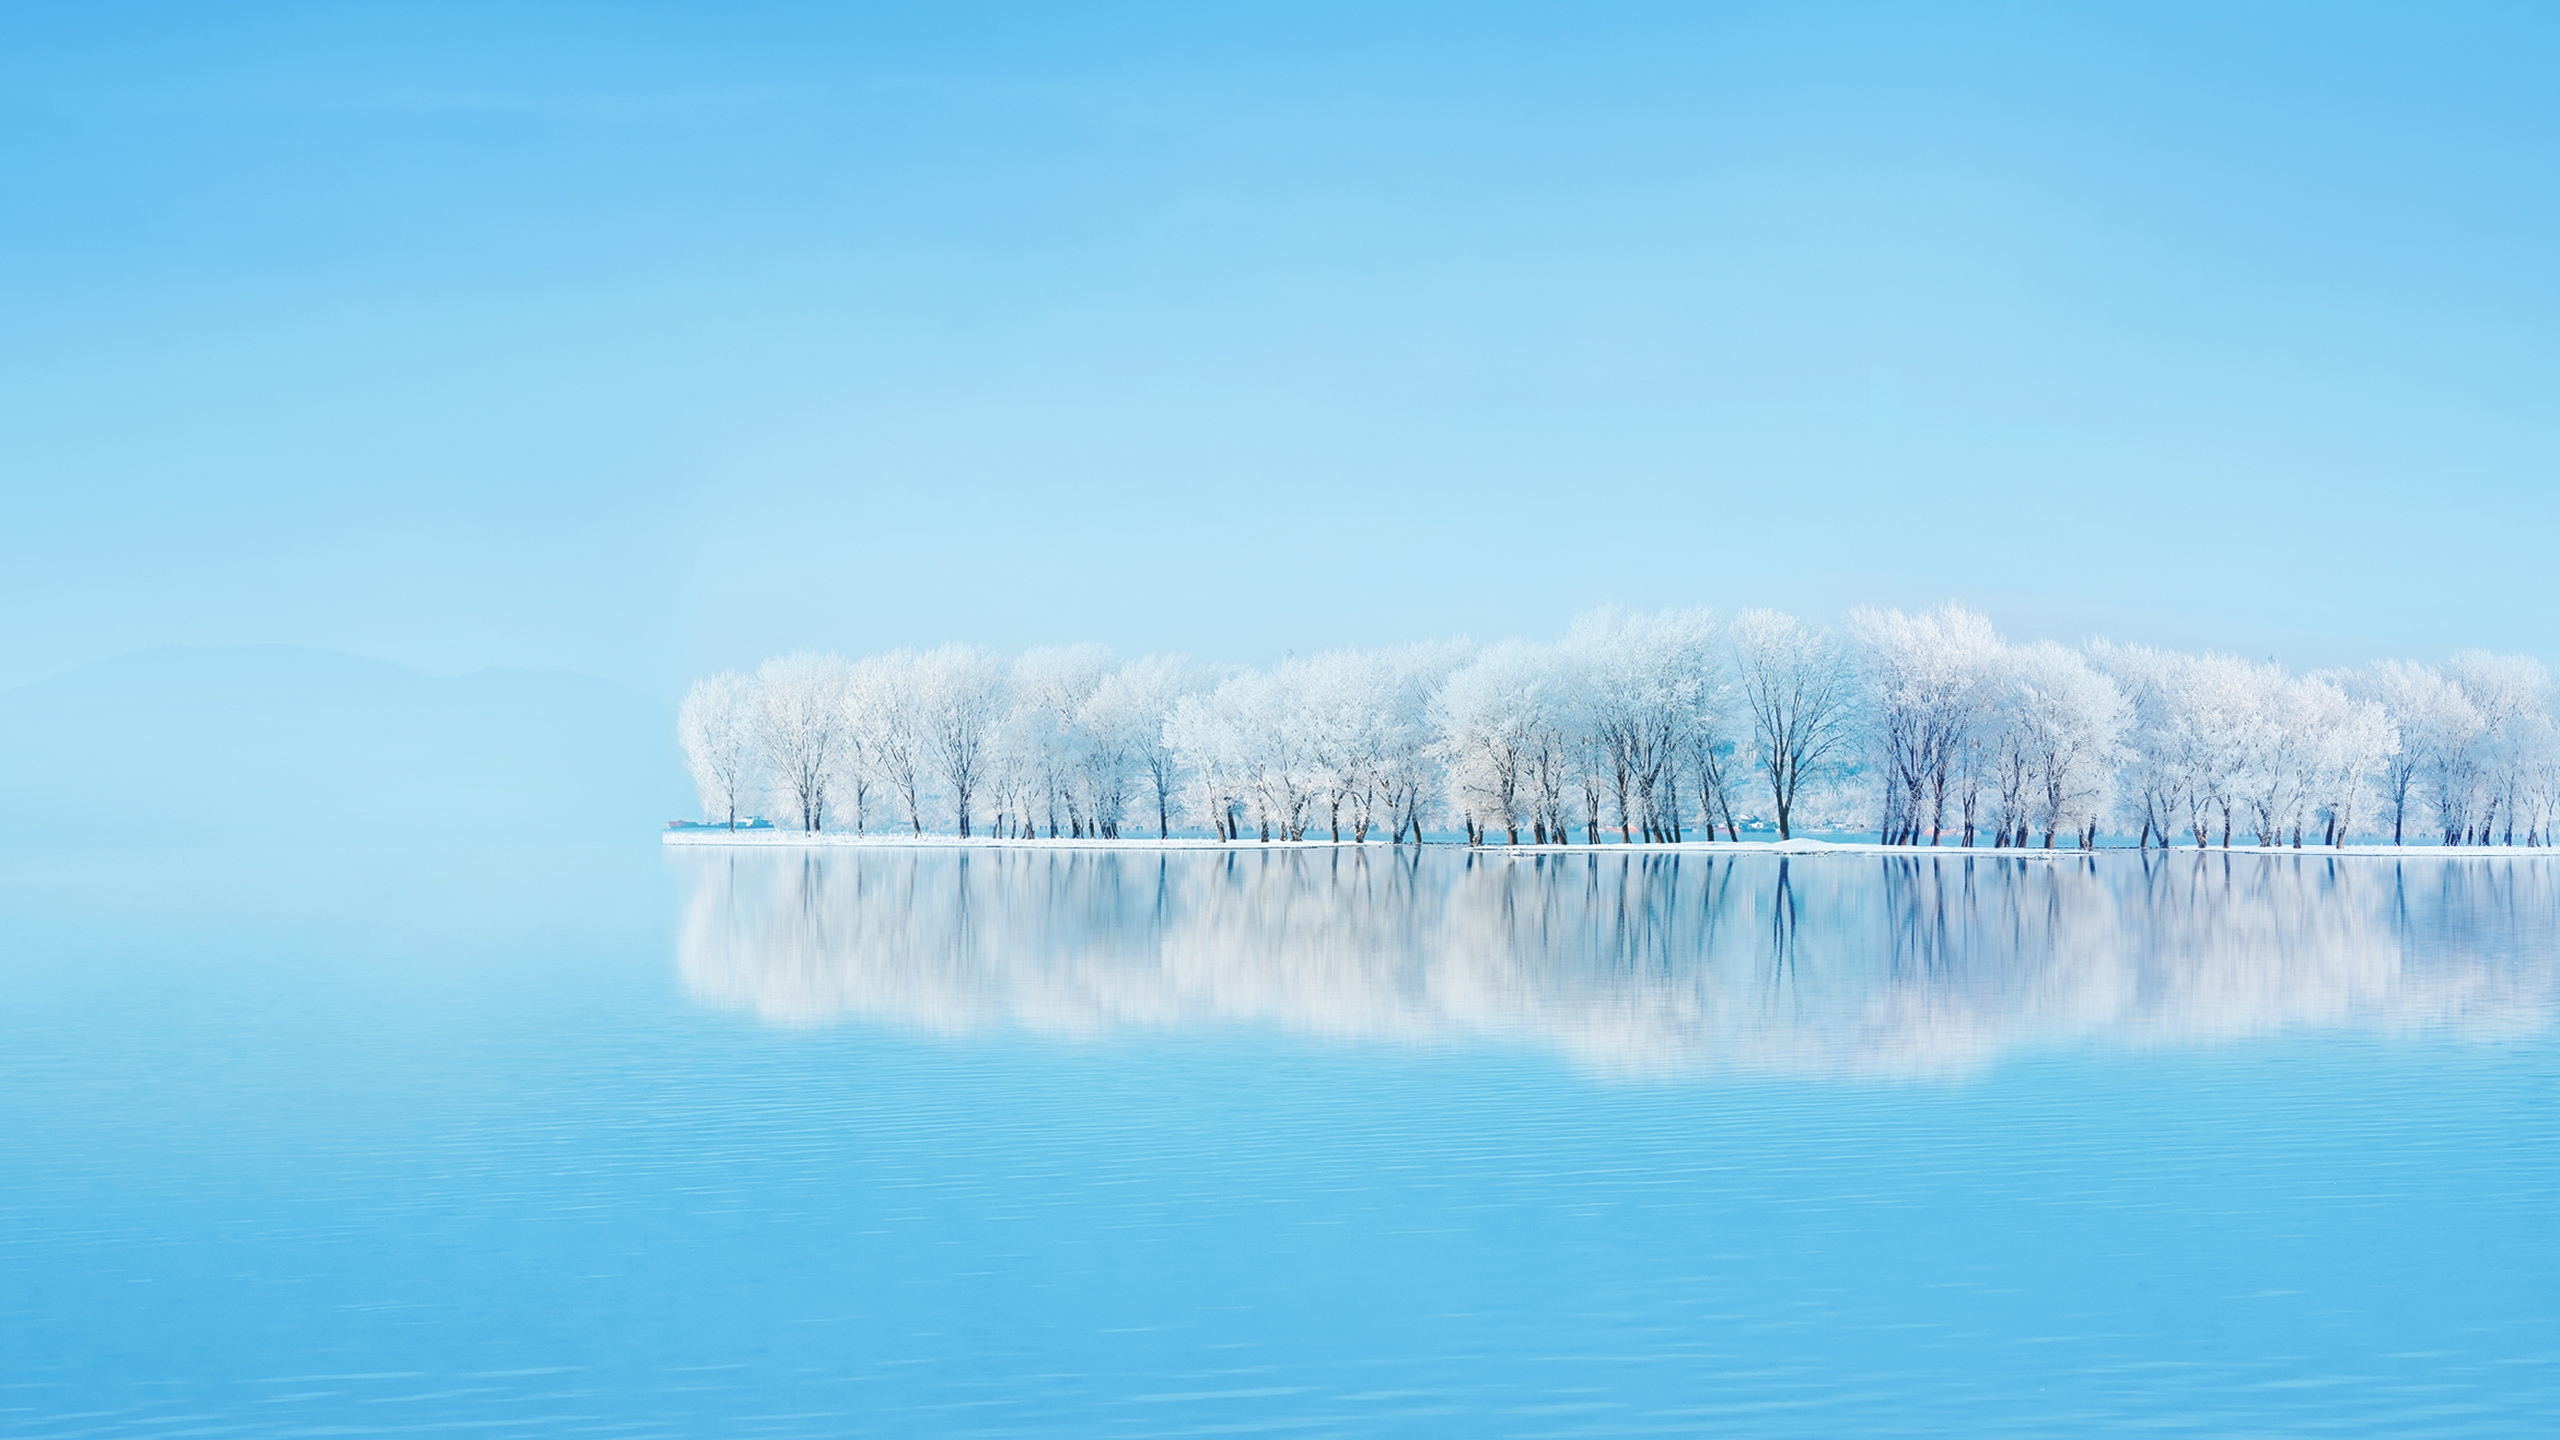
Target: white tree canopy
{"points": [[802, 729], [716, 725], [1801, 692], [1922, 728]]}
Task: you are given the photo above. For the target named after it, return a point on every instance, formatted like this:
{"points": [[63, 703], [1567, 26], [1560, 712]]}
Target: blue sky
{"points": [[640, 341]]}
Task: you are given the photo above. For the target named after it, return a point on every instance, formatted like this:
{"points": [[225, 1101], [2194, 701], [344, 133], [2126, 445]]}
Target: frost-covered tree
{"points": [[1933, 681], [2283, 752], [1406, 777], [1008, 783], [2218, 705], [1264, 743], [2511, 698], [1550, 770], [1644, 724], [2542, 790], [1052, 687], [1207, 744], [2425, 711], [717, 727], [2354, 742], [1284, 767], [1110, 754], [1338, 698], [891, 747], [1646, 685], [2453, 769], [1130, 706], [2150, 784], [960, 701], [2281, 768], [1711, 763], [800, 729], [1247, 747], [879, 749], [2010, 780], [1800, 690], [1492, 716], [1362, 718], [2065, 720]]}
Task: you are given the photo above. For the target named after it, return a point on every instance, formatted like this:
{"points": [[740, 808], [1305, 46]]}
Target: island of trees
{"points": [[1922, 729]]}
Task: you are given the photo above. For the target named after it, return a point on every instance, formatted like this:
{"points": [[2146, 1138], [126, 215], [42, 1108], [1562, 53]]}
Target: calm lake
{"points": [[605, 1139]]}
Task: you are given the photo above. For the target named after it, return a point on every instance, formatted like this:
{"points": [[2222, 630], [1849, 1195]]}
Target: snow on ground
{"points": [[1800, 846], [988, 842]]}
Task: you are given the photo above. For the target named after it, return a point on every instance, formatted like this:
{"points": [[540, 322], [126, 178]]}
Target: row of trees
{"points": [[1927, 728]]}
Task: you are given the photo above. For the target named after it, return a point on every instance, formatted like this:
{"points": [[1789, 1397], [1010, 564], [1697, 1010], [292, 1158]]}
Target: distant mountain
{"points": [[178, 669]]}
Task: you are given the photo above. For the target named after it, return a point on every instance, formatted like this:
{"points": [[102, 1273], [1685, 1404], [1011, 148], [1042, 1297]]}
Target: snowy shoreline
{"points": [[831, 840]]}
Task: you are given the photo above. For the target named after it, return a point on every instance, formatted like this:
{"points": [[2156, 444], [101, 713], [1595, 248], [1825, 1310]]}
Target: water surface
{"points": [[595, 1140]]}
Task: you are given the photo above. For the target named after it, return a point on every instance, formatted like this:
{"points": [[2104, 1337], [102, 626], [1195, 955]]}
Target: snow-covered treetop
{"points": [[1922, 729]]}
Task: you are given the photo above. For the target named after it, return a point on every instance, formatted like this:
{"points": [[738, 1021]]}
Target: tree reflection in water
{"points": [[1644, 962]]}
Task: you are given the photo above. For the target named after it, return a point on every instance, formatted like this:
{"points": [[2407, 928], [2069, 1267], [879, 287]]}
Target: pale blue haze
{"points": [[639, 340]]}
